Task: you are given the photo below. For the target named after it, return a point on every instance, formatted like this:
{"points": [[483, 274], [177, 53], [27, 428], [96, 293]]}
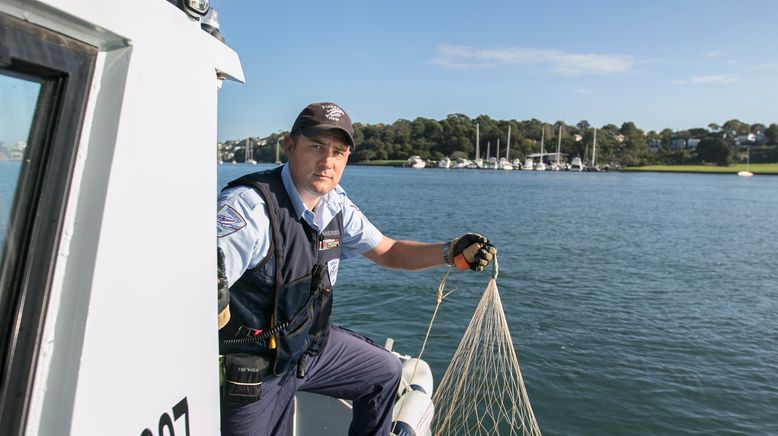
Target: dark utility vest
{"points": [[289, 293]]}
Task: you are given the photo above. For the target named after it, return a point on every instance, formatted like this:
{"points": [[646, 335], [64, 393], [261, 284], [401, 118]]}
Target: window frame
{"points": [[64, 68]]}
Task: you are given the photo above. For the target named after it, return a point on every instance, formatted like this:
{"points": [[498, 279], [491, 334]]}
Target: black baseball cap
{"points": [[318, 118]]}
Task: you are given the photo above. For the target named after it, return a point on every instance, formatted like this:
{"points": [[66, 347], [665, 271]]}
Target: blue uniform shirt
{"points": [[243, 225]]}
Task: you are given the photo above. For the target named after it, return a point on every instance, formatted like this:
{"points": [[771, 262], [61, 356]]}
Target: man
{"points": [[282, 234]]}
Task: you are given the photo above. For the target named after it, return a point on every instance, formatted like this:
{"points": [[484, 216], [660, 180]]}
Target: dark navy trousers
{"points": [[350, 367]]}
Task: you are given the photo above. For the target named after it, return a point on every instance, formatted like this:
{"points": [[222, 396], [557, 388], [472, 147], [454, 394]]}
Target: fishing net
{"points": [[482, 391]]}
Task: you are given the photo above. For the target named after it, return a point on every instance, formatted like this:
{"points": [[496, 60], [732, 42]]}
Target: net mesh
{"points": [[482, 391]]}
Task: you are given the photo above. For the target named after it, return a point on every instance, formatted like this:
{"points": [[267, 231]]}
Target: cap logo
{"points": [[333, 112]]}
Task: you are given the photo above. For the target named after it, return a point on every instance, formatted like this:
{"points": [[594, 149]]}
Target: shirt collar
{"points": [[329, 205]]}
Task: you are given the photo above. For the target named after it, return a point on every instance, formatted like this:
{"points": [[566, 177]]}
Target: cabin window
{"points": [[44, 78], [17, 107]]}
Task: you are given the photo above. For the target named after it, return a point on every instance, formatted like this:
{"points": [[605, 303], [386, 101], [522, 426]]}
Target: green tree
{"points": [[667, 138], [772, 134], [698, 133], [362, 155], [633, 151], [716, 150], [736, 126], [758, 127], [583, 125]]}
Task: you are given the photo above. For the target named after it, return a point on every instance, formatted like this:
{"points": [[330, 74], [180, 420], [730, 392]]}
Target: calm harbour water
{"points": [[639, 304]]}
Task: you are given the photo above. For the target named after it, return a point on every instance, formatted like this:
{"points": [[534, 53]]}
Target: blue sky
{"points": [[677, 64], [660, 63]]}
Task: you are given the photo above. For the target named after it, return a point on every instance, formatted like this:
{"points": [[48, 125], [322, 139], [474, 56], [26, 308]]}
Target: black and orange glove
{"points": [[223, 290], [470, 250]]}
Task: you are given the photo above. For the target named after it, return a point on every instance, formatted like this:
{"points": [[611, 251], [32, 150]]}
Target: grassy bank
{"points": [[762, 168]]}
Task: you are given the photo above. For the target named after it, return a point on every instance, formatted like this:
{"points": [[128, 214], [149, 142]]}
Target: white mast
{"points": [[498, 149], [558, 145], [248, 155], [542, 138], [477, 146], [594, 149], [508, 147]]}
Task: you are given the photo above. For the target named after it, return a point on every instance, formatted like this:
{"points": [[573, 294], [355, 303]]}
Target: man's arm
{"points": [[407, 255], [471, 250], [242, 228]]}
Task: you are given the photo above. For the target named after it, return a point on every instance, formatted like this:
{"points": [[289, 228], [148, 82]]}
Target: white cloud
{"points": [[560, 62], [712, 54], [714, 79], [765, 67]]}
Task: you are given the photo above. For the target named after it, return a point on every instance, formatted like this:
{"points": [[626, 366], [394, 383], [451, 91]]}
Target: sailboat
{"points": [[278, 156], [529, 164], [477, 162], [491, 162], [504, 163], [541, 166], [747, 173], [593, 167], [488, 159], [249, 156], [556, 166]]}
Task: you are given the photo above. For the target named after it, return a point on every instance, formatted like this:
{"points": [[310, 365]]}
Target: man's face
{"points": [[316, 164]]}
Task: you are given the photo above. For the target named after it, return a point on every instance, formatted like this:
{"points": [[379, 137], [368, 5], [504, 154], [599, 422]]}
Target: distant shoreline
{"points": [[768, 169]]}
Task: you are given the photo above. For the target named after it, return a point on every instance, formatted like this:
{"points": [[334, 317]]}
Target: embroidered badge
{"points": [[228, 221], [328, 243], [333, 112], [332, 269]]}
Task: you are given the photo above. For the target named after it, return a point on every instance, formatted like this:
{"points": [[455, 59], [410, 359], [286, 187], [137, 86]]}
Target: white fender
{"points": [[420, 381], [412, 414]]}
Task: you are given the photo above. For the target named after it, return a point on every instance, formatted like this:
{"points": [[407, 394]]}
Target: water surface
{"points": [[638, 303]]}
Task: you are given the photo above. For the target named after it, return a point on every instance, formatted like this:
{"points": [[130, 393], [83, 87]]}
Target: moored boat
{"points": [[415, 162], [463, 163]]}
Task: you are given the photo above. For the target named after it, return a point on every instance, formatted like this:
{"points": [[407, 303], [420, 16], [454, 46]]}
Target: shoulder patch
{"points": [[228, 221], [332, 269]]}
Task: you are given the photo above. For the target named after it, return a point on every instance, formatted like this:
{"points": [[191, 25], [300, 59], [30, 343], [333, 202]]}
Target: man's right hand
{"points": [[471, 250], [223, 289]]}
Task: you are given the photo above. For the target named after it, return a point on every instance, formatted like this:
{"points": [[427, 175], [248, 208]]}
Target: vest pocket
{"points": [[306, 306], [295, 307]]}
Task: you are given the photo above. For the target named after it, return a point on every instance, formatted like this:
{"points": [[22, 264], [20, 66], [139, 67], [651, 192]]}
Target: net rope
{"points": [[482, 391]]}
